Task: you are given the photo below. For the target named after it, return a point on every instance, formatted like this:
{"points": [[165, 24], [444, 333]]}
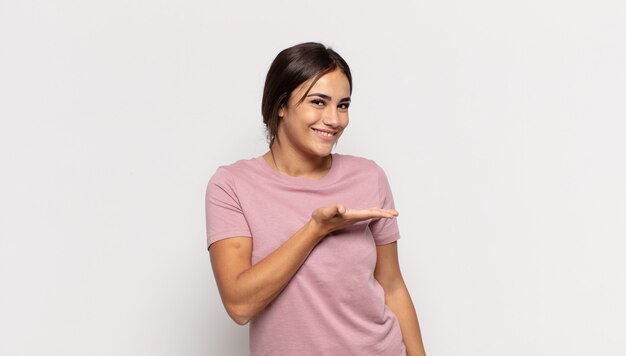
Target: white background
{"points": [[501, 126]]}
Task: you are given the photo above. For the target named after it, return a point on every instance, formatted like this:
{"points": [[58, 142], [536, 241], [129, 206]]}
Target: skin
{"points": [[301, 151]]}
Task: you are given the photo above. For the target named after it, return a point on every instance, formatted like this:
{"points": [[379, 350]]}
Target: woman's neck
{"points": [[291, 163]]}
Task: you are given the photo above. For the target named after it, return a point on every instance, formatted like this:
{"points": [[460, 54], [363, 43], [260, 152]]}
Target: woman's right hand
{"points": [[247, 289], [335, 217]]}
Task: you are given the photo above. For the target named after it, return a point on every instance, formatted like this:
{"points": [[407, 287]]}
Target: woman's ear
{"points": [[281, 111]]}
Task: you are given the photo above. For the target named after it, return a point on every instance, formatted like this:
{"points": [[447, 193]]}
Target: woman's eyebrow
{"points": [[326, 97]]}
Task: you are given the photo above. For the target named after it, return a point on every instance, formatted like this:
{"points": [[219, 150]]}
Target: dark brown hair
{"points": [[292, 67]]}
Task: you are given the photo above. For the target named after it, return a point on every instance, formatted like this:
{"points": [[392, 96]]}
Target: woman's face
{"points": [[314, 125]]}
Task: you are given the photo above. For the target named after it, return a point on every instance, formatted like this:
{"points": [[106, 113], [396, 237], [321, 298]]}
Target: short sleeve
{"points": [[224, 215], [384, 231]]}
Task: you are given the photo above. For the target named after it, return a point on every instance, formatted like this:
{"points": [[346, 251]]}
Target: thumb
{"points": [[341, 209]]}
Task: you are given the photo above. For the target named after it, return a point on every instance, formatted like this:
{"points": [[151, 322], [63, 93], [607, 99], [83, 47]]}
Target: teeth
{"points": [[327, 134]]}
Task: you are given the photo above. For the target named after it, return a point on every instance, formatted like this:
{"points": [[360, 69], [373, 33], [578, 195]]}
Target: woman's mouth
{"points": [[328, 136]]}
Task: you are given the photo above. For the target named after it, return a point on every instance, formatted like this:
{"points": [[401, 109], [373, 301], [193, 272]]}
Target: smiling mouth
{"points": [[324, 133]]}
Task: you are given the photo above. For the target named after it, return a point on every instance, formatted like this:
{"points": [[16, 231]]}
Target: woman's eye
{"points": [[318, 102], [344, 106]]}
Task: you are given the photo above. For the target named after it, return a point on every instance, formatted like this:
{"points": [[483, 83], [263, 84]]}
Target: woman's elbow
{"points": [[241, 314], [240, 320]]}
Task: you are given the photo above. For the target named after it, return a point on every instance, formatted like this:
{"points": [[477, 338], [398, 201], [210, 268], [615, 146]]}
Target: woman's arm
{"points": [[246, 289], [387, 273]]}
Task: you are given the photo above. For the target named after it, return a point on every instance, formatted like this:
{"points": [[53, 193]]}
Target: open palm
{"points": [[335, 217]]}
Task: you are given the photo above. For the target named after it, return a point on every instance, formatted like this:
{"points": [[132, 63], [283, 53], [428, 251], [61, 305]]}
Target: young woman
{"points": [[303, 241]]}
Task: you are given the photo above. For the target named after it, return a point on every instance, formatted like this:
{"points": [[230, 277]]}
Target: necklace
{"points": [[278, 169], [274, 160]]}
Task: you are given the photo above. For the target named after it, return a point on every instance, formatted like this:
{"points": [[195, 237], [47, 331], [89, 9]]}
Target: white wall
{"points": [[501, 126]]}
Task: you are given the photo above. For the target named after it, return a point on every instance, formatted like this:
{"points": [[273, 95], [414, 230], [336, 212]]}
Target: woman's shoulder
{"points": [[240, 165], [236, 170], [357, 162]]}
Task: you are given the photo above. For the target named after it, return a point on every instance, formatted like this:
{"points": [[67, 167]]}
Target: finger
{"points": [[393, 212], [331, 211], [384, 211], [373, 213]]}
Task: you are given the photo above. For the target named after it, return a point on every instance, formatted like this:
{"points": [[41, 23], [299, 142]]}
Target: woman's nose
{"points": [[331, 117]]}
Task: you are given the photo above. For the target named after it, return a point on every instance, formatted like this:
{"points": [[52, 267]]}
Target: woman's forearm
{"points": [[246, 290], [249, 291], [399, 301]]}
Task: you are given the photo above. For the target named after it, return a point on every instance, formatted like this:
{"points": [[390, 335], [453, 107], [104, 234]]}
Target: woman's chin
{"points": [[323, 152]]}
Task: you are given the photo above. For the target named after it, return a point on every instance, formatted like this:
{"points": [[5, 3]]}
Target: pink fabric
{"points": [[333, 305]]}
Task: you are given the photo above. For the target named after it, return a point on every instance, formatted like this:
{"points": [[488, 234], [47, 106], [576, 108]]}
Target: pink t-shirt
{"points": [[333, 305]]}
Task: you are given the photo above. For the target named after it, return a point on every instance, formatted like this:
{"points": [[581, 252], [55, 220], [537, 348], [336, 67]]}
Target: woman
{"points": [[302, 241]]}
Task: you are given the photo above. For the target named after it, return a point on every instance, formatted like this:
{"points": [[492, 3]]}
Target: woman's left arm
{"points": [[397, 297]]}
